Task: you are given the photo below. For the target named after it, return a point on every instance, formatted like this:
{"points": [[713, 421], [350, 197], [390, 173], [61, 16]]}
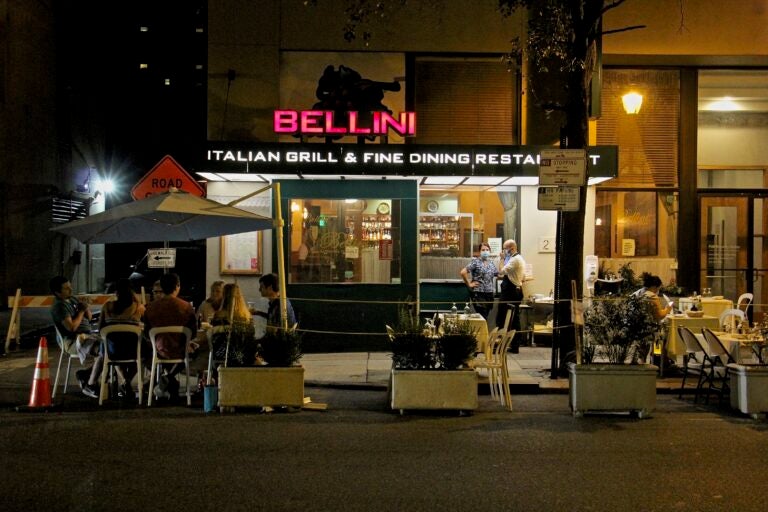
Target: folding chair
{"points": [[693, 360], [157, 360], [109, 363], [720, 358]]}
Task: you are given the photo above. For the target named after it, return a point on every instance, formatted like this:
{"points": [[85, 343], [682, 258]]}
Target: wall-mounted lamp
{"points": [[632, 102], [85, 186], [598, 221]]}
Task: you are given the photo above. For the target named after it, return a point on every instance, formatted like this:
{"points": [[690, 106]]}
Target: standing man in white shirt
{"points": [[512, 274]]}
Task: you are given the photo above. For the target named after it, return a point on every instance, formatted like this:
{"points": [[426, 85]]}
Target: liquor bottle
{"points": [[467, 311]]}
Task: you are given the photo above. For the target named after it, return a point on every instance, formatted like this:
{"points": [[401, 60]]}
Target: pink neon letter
{"points": [[329, 128], [285, 121], [353, 128], [310, 121]]}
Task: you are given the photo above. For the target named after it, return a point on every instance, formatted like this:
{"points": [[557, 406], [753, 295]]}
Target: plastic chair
{"points": [[496, 363], [720, 358], [63, 351], [731, 317], [134, 329], [745, 300], [691, 363], [157, 360], [213, 331]]}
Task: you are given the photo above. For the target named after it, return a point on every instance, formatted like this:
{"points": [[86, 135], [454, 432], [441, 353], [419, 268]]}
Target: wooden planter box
{"points": [[612, 387], [261, 386], [434, 389], [749, 388]]}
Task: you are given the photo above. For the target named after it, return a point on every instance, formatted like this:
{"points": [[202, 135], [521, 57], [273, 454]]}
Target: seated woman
{"points": [[124, 309], [241, 337], [652, 284], [212, 304]]}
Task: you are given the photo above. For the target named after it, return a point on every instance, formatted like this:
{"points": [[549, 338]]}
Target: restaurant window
{"points": [[637, 225], [453, 222], [732, 125], [345, 240]]}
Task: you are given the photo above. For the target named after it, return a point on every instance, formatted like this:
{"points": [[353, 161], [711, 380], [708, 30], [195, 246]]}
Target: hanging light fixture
{"points": [[632, 102]]}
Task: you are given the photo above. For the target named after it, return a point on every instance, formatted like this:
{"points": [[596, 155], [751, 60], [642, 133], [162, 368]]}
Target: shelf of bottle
{"points": [[448, 239]]}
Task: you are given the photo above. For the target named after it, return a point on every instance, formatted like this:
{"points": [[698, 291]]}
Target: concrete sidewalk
{"points": [[529, 370]]}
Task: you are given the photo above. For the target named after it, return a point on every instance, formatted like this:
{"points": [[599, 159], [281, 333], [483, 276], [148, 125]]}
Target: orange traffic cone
{"points": [[41, 385]]}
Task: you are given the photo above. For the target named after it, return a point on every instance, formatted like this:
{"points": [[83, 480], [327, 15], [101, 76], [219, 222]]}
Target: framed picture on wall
{"points": [[241, 253]]}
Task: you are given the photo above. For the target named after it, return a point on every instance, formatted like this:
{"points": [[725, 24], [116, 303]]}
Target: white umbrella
{"points": [[178, 216], [175, 216]]}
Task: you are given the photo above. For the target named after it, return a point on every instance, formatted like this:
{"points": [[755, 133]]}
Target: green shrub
{"points": [[281, 348]]}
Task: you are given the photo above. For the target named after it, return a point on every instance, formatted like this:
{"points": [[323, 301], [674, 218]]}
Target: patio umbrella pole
{"points": [[278, 223], [281, 258]]}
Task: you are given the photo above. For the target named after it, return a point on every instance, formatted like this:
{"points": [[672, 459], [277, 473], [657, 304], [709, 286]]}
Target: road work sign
{"points": [[166, 174], [161, 258]]}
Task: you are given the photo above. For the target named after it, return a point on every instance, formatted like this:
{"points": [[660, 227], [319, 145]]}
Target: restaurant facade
{"points": [[380, 217]]}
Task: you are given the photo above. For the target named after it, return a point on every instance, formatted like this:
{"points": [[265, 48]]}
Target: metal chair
{"points": [[157, 360], [694, 360], [109, 363], [720, 358]]}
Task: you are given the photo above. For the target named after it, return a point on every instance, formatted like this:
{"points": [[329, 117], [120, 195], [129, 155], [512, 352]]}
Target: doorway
{"points": [[733, 254]]}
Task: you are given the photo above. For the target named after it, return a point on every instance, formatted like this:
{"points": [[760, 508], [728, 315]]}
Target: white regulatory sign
{"points": [[164, 258], [563, 167], [565, 199]]}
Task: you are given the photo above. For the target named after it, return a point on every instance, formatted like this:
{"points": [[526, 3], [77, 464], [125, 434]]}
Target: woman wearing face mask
{"points": [[479, 277]]}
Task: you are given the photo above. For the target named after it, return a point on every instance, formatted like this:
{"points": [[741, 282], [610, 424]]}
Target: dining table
{"points": [[711, 306], [674, 345], [739, 346], [476, 322]]}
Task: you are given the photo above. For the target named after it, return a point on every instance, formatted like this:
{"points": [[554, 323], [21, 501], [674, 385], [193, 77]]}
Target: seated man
{"points": [[269, 288], [73, 321], [165, 312]]}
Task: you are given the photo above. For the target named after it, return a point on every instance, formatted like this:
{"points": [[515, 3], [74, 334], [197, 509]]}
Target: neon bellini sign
{"points": [[323, 122]]}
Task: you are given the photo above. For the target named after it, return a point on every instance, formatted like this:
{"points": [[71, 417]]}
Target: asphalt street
{"points": [[357, 455]]}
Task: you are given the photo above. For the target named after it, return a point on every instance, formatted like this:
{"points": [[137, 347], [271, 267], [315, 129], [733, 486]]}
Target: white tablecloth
{"points": [[737, 345]]}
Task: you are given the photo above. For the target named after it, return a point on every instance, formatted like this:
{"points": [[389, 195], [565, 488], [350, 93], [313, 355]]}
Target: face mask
{"points": [[485, 254]]}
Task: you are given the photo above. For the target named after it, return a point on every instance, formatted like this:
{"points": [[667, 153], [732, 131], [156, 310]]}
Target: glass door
{"points": [[734, 259]]}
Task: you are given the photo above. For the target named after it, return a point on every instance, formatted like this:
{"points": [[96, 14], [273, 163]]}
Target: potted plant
{"points": [[278, 381], [612, 375], [431, 372]]}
